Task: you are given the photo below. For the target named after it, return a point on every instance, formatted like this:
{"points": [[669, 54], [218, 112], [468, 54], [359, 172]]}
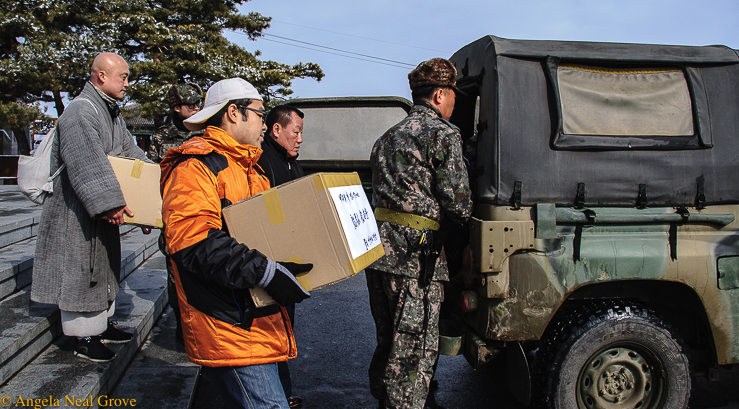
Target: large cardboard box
{"points": [[139, 182], [324, 219]]}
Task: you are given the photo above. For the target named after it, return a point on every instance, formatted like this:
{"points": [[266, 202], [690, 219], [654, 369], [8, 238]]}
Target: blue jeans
{"points": [[248, 387]]}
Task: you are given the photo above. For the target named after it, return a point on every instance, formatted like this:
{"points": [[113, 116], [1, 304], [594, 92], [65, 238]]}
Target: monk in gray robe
{"points": [[78, 250]]}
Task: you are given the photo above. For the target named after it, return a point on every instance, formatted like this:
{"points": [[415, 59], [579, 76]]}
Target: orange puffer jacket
{"points": [[220, 323]]}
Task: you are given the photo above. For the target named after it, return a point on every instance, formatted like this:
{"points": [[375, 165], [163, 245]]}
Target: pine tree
{"points": [[44, 52], [47, 46]]}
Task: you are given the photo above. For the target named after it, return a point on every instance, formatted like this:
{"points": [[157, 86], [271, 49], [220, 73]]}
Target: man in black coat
{"points": [[281, 145], [280, 163]]}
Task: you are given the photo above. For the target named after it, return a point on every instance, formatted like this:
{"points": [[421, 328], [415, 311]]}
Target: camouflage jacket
{"points": [[168, 136], [417, 167]]}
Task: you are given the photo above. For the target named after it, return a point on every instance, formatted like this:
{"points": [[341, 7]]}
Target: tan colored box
{"points": [[324, 219], [139, 182]]}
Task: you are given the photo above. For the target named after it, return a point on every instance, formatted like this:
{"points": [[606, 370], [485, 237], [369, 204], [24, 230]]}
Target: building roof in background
{"points": [[134, 122]]}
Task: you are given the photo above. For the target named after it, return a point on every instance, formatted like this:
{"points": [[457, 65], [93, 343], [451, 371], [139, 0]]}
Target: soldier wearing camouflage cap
{"points": [[420, 184], [184, 102]]}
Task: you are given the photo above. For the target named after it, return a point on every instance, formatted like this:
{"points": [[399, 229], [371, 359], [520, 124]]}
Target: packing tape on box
{"points": [[158, 223], [138, 167], [328, 180], [304, 281], [359, 263], [274, 206]]}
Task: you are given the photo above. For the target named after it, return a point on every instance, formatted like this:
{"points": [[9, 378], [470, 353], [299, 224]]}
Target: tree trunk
{"points": [[24, 148], [58, 103]]}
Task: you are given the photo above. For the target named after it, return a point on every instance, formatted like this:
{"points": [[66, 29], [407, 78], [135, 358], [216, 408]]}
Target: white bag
{"points": [[33, 171]]}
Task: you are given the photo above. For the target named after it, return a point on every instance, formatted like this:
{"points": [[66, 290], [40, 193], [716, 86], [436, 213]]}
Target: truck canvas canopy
{"points": [[600, 124]]}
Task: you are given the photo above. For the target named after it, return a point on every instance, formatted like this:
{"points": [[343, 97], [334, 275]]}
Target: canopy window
{"points": [[624, 108], [624, 102]]}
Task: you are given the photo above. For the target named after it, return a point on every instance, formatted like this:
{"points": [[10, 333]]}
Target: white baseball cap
{"points": [[218, 96]]}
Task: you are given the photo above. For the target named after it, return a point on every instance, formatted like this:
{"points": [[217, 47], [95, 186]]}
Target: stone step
{"points": [[27, 327], [160, 375], [16, 265], [16, 260], [137, 247], [18, 225], [58, 375], [19, 216]]}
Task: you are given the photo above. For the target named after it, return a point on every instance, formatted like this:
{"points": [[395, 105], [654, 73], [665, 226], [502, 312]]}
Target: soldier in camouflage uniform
{"points": [[420, 183], [184, 102]]}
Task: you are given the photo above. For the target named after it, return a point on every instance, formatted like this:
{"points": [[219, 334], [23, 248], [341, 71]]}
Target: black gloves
{"points": [[280, 283], [296, 268]]}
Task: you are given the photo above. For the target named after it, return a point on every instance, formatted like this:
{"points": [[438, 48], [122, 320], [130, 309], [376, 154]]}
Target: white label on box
{"points": [[357, 220]]}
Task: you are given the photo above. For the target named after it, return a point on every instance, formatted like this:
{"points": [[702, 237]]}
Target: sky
{"points": [[402, 33]]}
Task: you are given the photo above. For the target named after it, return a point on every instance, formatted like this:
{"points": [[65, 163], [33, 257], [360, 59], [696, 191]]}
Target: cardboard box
{"points": [[139, 182], [324, 219]]}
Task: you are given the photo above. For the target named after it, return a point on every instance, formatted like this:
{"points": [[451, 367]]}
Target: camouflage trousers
{"points": [[407, 326]]}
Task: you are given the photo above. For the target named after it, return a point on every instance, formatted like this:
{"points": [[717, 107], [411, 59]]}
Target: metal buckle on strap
{"points": [[405, 219]]}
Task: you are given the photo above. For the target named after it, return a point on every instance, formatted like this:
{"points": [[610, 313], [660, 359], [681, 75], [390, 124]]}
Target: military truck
{"points": [[603, 251]]}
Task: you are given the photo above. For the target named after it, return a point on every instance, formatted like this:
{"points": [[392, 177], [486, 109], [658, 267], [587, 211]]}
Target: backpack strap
{"points": [[88, 101], [215, 162], [64, 165]]}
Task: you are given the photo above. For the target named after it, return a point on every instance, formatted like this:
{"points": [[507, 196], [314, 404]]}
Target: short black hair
{"points": [[282, 114], [217, 118], [421, 94], [424, 93]]}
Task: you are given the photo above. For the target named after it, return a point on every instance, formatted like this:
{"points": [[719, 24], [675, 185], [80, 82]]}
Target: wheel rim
{"points": [[622, 376]]}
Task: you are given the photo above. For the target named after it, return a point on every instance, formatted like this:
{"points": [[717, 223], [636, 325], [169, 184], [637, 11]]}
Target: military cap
{"points": [[183, 94], [434, 72]]}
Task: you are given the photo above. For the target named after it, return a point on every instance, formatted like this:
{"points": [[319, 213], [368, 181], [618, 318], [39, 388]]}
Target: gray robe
{"points": [[78, 255]]}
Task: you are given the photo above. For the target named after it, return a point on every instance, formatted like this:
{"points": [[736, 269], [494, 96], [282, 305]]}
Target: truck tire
{"points": [[611, 355]]}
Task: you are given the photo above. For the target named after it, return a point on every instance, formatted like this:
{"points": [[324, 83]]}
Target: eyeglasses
{"points": [[262, 114], [193, 107]]}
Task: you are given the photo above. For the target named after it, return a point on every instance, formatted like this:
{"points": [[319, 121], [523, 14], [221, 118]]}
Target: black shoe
{"points": [[294, 402], [113, 335], [91, 348]]}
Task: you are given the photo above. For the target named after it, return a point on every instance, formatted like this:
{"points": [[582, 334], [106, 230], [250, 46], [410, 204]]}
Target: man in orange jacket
{"points": [[238, 344]]}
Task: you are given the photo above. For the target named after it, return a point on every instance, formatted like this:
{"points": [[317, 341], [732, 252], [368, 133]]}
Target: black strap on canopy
{"points": [[516, 197], [641, 200], [580, 197]]}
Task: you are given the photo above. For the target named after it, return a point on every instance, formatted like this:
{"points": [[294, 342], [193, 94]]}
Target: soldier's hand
{"points": [[280, 282]]}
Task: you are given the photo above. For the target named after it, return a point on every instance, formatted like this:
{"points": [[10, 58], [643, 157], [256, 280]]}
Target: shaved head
{"points": [[109, 72], [105, 61]]}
